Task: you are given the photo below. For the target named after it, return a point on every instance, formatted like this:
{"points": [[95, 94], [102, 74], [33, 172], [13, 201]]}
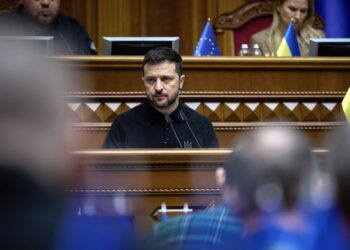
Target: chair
{"points": [[245, 21]]}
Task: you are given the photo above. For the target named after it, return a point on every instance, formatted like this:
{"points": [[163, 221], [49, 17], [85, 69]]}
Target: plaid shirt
{"points": [[203, 230]]}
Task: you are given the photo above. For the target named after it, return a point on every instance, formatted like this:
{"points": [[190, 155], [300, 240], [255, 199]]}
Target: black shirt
{"points": [[145, 127], [70, 38]]}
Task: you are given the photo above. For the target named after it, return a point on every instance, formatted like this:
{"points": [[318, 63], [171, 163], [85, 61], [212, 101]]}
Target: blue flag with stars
{"points": [[207, 45]]}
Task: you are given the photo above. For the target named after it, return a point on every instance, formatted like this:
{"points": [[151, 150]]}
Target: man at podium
{"points": [[163, 121]]}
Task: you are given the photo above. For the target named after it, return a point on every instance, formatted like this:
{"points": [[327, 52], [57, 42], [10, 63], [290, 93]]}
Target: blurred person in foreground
{"points": [[206, 229], [281, 165], [335, 232], [261, 185], [43, 18], [34, 166], [163, 121], [301, 12]]}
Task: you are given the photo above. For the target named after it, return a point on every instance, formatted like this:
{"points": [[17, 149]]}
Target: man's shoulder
{"points": [[200, 220], [201, 229], [71, 22]]}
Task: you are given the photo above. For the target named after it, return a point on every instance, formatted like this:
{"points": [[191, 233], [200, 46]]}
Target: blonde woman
{"points": [[301, 12]]}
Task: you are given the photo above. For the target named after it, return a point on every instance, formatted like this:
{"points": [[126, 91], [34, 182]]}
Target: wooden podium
{"points": [[136, 182], [237, 94]]}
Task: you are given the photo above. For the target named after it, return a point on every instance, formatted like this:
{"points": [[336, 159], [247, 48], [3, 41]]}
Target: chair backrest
{"points": [[248, 19]]}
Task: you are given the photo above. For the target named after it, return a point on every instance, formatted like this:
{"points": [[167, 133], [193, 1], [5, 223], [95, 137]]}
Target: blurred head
{"points": [[32, 132], [163, 79], [268, 174], [298, 11], [339, 167], [42, 12]]}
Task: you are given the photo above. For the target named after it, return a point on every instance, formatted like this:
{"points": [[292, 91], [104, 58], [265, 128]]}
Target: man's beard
{"points": [[38, 21], [167, 104]]}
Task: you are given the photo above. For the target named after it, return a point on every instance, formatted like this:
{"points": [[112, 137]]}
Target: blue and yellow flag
{"points": [[289, 45], [346, 105], [207, 45]]}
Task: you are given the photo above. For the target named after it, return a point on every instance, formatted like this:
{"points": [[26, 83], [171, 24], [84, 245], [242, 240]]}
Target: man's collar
{"points": [[155, 116]]}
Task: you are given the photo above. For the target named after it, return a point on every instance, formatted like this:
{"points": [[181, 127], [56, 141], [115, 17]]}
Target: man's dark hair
{"points": [[163, 54]]}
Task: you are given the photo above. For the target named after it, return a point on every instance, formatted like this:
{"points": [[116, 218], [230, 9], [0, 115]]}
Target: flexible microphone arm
{"points": [[185, 119], [170, 122]]}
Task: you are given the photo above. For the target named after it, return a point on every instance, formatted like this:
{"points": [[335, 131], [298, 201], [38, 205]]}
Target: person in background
{"points": [[301, 12], [43, 18], [163, 121]]}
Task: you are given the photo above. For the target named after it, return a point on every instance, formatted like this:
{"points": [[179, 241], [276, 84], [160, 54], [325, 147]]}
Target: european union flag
{"points": [[207, 45], [336, 17], [289, 45]]}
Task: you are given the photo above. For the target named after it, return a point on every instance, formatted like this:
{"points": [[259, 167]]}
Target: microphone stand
{"points": [[170, 122], [185, 119]]}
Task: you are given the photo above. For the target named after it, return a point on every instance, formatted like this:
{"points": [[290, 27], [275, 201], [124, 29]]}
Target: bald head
{"points": [[273, 162]]}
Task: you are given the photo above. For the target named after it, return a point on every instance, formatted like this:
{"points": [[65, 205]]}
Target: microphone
{"points": [[170, 122], [185, 119]]}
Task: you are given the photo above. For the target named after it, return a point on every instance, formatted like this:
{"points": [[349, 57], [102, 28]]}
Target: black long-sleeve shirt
{"points": [[145, 127]]}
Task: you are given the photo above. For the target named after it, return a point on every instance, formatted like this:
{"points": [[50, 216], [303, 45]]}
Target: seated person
{"points": [[163, 121], [43, 18], [301, 12]]}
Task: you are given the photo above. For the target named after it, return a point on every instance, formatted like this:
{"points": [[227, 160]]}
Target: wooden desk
{"points": [[235, 93], [137, 182]]}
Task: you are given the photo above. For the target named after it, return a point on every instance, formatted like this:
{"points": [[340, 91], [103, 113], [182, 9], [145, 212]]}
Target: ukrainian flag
{"points": [[346, 105], [289, 45]]}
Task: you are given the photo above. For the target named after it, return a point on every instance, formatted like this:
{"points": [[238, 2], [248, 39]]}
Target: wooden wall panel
{"points": [[85, 11], [6, 5], [183, 18], [236, 93]]}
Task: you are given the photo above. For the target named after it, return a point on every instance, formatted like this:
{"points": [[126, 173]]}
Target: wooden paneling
{"points": [[183, 18], [6, 5], [217, 75], [85, 11]]}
